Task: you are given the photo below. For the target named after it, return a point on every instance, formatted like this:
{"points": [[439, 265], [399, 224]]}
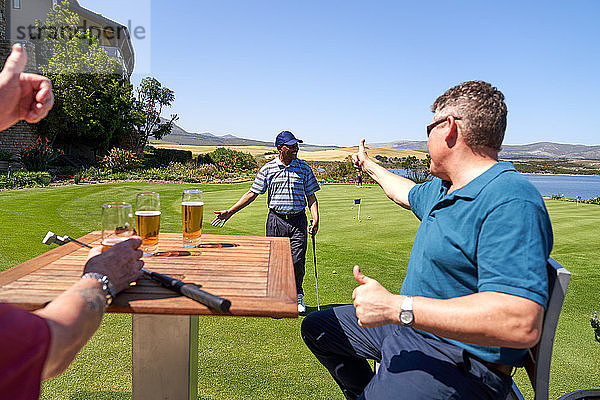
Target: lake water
{"points": [[570, 186]]}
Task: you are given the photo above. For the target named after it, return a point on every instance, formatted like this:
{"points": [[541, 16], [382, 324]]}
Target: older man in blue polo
{"points": [[291, 186]]}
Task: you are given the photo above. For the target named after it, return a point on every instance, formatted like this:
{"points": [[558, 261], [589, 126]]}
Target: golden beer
{"points": [[148, 226], [191, 214], [111, 241]]}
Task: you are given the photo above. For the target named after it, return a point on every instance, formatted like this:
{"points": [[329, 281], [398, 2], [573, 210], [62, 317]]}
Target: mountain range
{"points": [[179, 135], [534, 150]]}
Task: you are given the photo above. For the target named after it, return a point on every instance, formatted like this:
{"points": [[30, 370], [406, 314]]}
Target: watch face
{"points": [[406, 317]]}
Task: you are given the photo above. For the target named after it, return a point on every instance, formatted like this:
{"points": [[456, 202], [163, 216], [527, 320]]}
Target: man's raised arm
{"points": [[394, 186]]}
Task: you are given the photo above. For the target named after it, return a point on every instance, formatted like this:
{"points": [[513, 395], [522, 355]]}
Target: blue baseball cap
{"points": [[287, 138]]}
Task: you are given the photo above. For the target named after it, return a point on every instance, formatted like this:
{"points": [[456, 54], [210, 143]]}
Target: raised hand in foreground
{"points": [[23, 96]]}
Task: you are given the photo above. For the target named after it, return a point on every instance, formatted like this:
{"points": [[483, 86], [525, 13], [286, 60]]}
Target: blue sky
{"points": [[336, 71]]}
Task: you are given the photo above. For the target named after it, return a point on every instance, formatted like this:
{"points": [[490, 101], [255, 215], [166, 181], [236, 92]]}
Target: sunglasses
{"points": [[436, 123]]}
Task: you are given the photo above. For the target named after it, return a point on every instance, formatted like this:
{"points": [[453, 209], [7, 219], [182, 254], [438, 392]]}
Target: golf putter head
{"points": [[52, 238]]}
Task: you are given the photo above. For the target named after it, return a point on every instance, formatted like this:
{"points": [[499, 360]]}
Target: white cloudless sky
{"points": [[335, 71]]}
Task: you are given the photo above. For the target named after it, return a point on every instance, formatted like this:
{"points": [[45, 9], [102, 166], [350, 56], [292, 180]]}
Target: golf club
{"points": [[53, 238], [190, 290], [312, 234]]}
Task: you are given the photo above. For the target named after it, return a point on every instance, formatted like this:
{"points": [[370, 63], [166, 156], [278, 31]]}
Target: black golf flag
{"points": [[356, 201]]}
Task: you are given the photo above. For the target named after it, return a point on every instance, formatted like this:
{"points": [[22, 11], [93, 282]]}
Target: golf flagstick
{"points": [[312, 235], [357, 201]]}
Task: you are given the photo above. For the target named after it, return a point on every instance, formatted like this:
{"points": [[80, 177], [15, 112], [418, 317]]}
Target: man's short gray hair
{"points": [[482, 111]]}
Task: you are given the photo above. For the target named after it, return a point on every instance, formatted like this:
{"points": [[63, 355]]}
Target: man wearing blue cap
{"points": [[291, 185]]}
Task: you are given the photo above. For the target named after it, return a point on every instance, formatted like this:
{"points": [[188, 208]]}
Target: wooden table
{"points": [[254, 273]]}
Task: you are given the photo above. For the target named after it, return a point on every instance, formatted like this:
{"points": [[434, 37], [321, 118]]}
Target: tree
{"points": [[93, 96], [152, 97], [417, 170]]}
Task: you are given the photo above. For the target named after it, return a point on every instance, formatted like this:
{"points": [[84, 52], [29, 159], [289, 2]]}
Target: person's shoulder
{"points": [[298, 163], [509, 185], [434, 184], [301, 163], [269, 165]]}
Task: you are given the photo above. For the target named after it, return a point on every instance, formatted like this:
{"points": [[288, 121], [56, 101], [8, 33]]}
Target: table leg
{"points": [[165, 357]]}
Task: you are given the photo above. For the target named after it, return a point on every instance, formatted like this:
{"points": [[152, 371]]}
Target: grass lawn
{"points": [[261, 358]]}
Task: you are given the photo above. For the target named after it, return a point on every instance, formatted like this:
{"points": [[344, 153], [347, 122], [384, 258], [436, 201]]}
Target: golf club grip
{"points": [[210, 300], [192, 291]]}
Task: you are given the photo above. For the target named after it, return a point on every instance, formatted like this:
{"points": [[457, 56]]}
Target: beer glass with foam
{"points": [[117, 223], [192, 209], [147, 217]]}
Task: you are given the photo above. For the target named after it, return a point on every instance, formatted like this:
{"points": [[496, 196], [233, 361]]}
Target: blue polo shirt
{"points": [[494, 234], [287, 186]]}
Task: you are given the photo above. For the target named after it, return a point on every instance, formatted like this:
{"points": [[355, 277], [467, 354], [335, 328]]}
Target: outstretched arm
{"points": [[394, 186], [484, 318], [74, 316], [224, 215]]}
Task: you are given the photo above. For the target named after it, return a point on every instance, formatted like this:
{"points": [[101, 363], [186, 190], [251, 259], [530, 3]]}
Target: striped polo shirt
{"points": [[288, 186]]}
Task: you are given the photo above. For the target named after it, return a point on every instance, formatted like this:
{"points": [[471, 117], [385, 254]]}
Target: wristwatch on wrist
{"points": [[107, 287], [406, 313]]}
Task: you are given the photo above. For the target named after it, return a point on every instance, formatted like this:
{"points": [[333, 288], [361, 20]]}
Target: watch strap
{"points": [[407, 318], [107, 287], [407, 304]]}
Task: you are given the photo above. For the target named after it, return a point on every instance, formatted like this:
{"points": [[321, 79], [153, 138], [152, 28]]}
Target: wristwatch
{"points": [[107, 287], [406, 313]]}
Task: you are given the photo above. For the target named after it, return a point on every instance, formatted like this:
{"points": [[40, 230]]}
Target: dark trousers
{"points": [[294, 228], [413, 366]]}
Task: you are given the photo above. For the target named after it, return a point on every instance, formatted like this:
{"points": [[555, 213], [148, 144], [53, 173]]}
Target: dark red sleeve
{"points": [[24, 344]]}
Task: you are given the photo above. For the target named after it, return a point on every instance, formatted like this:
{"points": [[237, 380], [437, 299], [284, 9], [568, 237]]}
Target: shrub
{"points": [[173, 172], [21, 179], [228, 160], [5, 155], [120, 160], [38, 155], [155, 157], [336, 171]]}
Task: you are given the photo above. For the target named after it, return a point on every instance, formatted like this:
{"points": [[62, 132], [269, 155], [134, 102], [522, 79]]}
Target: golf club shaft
{"points": [[312, 235], [78, 242], [186, 289], [190, 290]]}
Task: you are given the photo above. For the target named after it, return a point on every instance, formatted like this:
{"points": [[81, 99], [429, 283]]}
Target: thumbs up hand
{"points": [[374, 304], [23, 96], [360, 157]]}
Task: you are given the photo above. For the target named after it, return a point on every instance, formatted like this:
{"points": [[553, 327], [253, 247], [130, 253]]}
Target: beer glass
{"points": [[147, 217], [117, 223], [192, 209]]}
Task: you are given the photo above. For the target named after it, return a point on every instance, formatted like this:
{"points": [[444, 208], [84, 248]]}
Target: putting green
{"points": [[241, 358]]}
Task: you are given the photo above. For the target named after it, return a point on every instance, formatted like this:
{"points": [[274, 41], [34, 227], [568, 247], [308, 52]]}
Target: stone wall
{"points": [[2, 21]]}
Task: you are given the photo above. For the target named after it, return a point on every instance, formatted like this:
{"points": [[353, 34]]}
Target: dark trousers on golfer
{"points": [[295, 228], [413, 366]]}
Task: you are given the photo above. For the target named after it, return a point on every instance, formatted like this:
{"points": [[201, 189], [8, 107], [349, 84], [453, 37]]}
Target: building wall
{"points": [[22, 18], [13, 138], [2, 22]]}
